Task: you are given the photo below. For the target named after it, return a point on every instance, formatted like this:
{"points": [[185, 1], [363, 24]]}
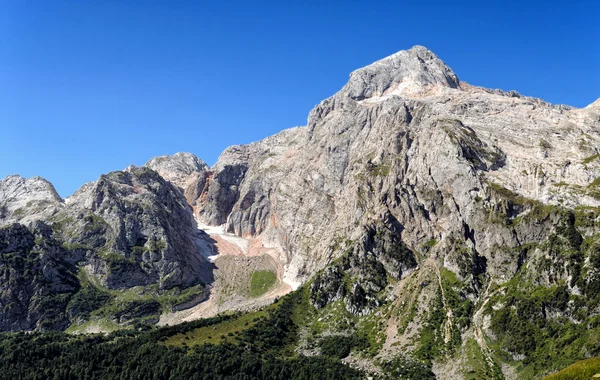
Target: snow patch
{"points": [[220, 231]]}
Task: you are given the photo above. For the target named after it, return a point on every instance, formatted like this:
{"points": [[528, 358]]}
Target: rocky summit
{"points": [[449, 228]]}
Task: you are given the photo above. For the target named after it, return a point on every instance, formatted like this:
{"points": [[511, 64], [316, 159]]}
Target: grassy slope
{"points": [[261, 282], [582, 370], [221, 332]]}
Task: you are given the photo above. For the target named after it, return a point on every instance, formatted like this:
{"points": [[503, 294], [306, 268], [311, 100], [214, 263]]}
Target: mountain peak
{"points": [[35, 194], [407, 71], [595, 105], [177, 167]]}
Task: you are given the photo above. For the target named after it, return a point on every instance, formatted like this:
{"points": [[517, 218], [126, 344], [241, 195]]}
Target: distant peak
{"points": [[15, 186], [407, 71], [181, 160], [595, 105], [177, 167]]}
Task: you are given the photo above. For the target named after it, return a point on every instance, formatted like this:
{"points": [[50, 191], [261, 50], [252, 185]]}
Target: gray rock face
{"points": [[363, 271], [406, 138], [186, 171], [38, 277], [594, 106], [27, 200], [178, 167], [404, 168], [142, 226], [128, 229], [412, 69], [222, 187]]}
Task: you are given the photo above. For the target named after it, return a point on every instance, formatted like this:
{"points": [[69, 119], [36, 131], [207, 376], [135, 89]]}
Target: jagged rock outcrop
{"points": [[142, 227], [413, 70], [27, 199], [184, 170], [406, 137], [594, 106], [178, 167], [483, 187], [363, 272], [38, 277], [129, 229]]}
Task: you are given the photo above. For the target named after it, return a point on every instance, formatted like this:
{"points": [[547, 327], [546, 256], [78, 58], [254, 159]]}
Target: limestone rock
{"points": [[178, 167], [407, 71], [142, 226], [38, 277], [404, 137], [595, 105], [27, 199]]}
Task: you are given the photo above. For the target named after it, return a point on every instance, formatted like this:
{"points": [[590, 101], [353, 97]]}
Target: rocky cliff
{"points": [[404, 137], [130, 229], [478, 197]]}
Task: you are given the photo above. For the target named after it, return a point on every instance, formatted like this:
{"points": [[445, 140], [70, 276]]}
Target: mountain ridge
{"points": [[445, 215]]}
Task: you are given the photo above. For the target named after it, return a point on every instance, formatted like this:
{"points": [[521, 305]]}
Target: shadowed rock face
{"points": [[142, 226], [38, 278], [130, 228]]}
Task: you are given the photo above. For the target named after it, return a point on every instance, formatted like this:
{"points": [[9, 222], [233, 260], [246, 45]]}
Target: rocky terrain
{"points": [[447, 223], [130, 230]]}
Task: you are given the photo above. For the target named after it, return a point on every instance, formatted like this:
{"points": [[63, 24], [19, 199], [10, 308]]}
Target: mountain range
{"points": [[450, 225]]}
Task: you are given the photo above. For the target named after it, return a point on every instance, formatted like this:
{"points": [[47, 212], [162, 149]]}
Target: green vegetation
{"points": [[595, 183], [93, 304], [226, 331], [590, 159], [94, 325], [547, 344], [261, 350], [379, 170], [339, 346], [519, 200], [261, 281], [115, 261], [94, 222], [18, 212], [587, 216], [462, 307], [581, 370], [86, 300], [472, 148], [531, 209], [478, 366], [74, 246], [156, 301], [431, 343], [402, 367], [31, 294], [551, 326], [430, 244]]}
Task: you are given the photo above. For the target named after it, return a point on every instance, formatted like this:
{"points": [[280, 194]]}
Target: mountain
{"points": [[130, 230], [445, 225]]}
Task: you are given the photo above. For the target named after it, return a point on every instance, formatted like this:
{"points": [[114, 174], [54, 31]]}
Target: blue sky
{"points": [[94, 86]]}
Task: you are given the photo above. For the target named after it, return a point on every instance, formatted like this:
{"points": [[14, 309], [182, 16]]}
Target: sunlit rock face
{"points": [[406, 137]]}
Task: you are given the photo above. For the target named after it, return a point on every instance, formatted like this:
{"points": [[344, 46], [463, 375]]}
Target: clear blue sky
{"points": [[94, 86]]}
